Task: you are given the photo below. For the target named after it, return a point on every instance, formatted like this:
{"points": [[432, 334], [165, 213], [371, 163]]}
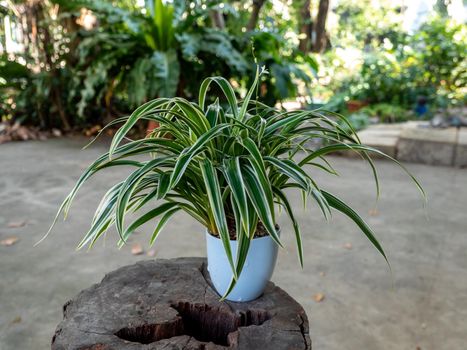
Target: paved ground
{"points": [[422, 306], [418, 142]]}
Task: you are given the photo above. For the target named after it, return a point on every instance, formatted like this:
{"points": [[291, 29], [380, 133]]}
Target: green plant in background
{"points": [[138, 56], [31, 83], [355, 30], [142, 54], [358, 121], [402, 68], [228, 168], [130, 53], [80, 75], [13, 78], [439, 47], [384, 78], [380, 112], [388, 113], [289, 68]]}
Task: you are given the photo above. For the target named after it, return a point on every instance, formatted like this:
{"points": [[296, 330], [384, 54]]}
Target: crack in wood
{"points": [[200, 321]]}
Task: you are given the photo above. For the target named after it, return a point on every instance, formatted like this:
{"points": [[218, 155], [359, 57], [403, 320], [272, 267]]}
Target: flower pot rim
{"points": [[235, 240]]}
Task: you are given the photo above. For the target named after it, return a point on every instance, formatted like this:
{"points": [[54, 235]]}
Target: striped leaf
{"points": [[288, 208], [234, 178], [217, 207], [257, 195], [185, 158], [339, 205], [159, 210], [162, 222], [226, 89]]}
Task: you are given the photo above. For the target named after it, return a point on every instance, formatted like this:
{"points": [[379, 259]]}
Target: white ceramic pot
{"points": [[256, 273]]}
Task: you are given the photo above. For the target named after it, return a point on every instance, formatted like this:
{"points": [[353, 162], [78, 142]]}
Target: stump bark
{"points": [[169, 304]]}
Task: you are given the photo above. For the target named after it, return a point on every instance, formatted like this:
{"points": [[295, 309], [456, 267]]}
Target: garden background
{"points": [[75, 65]]}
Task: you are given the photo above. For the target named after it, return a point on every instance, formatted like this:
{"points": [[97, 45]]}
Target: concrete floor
{"points": [[422, 305]]}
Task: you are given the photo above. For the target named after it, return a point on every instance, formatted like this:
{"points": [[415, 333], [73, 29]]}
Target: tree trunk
{"points": [[217, 19], [306, 27], [257, 5], [45, 45], [170, 304], [71, 26], [321, 38], [38, 42]]}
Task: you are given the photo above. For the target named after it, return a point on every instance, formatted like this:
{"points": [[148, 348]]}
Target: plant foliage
{"points": [[102, 58], [398, 68], [228, 168]]}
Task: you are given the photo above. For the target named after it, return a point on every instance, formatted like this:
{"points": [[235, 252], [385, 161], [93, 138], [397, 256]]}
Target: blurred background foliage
{"points": [[70, 64]]}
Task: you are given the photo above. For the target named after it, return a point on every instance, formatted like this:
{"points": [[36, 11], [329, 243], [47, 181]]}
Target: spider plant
{"points": [[228, 167]]}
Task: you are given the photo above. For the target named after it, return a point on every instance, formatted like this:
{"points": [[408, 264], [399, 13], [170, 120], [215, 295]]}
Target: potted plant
{"points": [[228, 167]]}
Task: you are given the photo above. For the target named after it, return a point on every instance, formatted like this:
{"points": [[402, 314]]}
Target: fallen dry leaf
{"points": [[56, 132], [5, 139], [23, 133], [17, 319], [9, 241], [348, 246], [319, 297], [94, 130], [16, 224], [151, 253], [17, 132], [137, 249]]}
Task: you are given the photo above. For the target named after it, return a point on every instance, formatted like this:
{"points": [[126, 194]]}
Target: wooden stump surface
{"points": [[169, 304]]}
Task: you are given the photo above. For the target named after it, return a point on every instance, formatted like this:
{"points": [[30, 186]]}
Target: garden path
{"points": [[351, 298]]}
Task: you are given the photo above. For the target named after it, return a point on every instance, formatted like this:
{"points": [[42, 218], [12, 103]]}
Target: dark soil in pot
{"points": [[260, 230]]}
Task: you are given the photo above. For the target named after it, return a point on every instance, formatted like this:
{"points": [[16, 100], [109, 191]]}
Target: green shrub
{"points": [[388, 113], [430, 64], [358, 121]]}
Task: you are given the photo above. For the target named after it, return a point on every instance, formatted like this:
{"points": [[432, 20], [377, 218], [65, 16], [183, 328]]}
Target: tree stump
{"points": [[169, 304]]}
